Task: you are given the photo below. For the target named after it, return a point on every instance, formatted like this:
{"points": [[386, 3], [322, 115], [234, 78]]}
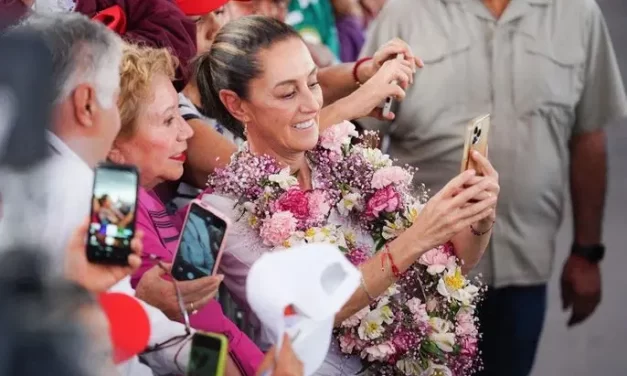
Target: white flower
{"points": [[442, 334], [349, 202], [355, 319], [386, 313], [371, 326], [437, 370], [328, 234], [296, 239], [376, 158], [453, 285], [393, 229], [412, 211], [379, 352], [284, 179], [410, 367]]}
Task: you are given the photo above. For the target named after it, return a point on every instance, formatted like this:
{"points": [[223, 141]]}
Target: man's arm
{"points": [[602, 102], [588, 184]]}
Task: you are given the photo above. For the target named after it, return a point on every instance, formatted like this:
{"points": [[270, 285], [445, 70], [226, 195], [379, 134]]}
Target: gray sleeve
{"points": [[603, 98], [386, 26]]}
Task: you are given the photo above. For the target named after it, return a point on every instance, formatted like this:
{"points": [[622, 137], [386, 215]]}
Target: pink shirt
{"points": [[161, 233]]}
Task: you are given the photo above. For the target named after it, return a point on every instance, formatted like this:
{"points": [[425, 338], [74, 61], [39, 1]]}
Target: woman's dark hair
{"points": [[232, 62], [38, 319]]}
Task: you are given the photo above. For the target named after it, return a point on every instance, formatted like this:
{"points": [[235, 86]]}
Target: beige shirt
{"points": [[545, 70]]}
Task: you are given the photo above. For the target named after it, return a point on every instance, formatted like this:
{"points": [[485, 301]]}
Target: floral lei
{"points": [[425, 324]]}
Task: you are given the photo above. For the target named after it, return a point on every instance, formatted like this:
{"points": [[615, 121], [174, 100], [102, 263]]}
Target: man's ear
{"points": [[235, 105], [85, 104], [115, 155]]}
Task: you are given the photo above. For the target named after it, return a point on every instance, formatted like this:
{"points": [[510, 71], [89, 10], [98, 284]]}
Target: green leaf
{"points": [[380, 243], [343, 249]]}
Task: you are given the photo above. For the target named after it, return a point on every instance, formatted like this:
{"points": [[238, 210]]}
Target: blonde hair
{"points": [[139, 66]]}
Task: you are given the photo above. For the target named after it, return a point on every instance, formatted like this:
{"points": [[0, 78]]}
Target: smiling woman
{"points": [[259, 80], [153, 135]]}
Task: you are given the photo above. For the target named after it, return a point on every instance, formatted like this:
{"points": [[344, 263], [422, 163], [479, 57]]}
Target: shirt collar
{"points": [[61, 149]]}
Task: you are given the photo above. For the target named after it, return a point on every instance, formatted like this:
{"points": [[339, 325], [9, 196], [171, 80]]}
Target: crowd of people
{"points": [[184, 90]]}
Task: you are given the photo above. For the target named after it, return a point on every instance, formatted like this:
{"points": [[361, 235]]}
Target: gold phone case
{"points": [[476, 138]]}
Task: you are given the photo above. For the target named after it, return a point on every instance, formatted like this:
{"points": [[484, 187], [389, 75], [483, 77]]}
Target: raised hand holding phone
{"points": [[113, 213], [97, 277], [389, 101], [201, 242]]}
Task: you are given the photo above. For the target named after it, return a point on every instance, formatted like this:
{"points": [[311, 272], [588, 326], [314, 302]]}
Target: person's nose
{"points": [[312, 101], [185, 130]]}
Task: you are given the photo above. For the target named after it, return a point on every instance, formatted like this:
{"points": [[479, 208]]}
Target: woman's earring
{"points": [[245, 129]]}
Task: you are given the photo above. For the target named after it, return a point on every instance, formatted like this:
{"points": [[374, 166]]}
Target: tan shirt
{"points": [[545, 70]]}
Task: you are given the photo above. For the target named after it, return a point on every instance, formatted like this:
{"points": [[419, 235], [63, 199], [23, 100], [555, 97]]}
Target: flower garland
{"points": [[425, 324]]}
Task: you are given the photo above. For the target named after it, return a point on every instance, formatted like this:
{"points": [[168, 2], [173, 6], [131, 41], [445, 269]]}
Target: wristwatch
{"points": [[593, 253]]}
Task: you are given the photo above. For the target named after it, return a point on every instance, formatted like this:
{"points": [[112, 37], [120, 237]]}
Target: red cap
{"points": [[114, 18], [129, 325], [199, 7]]}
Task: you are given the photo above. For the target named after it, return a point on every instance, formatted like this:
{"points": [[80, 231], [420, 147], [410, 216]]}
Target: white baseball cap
{"points": [[314, 281]]}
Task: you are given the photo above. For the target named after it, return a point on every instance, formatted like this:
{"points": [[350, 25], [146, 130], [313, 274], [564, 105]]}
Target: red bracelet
{"points": [[356, 67], [395, 270]]}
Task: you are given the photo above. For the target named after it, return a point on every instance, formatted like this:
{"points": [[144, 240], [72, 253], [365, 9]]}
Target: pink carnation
{"points": [[418, 310], [435, 260], [318, 205], [469, 346], [405, 340], [465, 324], [389, 176], [278, 228], [383, 200], [348, 343], [294, 201], [338, 135], [357, 256], [379, 352]]}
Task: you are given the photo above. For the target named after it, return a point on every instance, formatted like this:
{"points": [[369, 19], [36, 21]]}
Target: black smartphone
{"points": [[208, 355], [113, 212], [201, 242]]}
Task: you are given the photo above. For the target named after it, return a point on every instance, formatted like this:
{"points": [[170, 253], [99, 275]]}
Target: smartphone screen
{"points": [[112, 221], [207, 356], [200, 243]]}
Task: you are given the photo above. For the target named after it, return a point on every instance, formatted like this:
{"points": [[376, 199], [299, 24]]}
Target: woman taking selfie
{"points": [[153, 137], [290, 184]]}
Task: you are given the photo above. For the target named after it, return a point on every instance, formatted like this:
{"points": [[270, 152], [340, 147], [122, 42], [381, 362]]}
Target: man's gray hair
{"points": [[83, 51]]}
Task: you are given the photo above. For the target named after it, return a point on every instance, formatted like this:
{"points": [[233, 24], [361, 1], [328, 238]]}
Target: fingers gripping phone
{"points": [[113, 212], [208, 355], [389, 101], [476, 138], [201, 242]]}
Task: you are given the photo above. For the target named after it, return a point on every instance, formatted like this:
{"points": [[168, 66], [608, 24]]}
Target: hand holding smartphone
{"points": [[476, 139], [113, 212], [201, 242], [389, 101], [208, 355]]}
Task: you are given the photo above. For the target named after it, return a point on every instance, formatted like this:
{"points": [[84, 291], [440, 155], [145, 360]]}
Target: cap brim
{"points": [[312, 346]]}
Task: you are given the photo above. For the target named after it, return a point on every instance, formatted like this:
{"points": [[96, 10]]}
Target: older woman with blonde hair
{"points": [[154, 137]]}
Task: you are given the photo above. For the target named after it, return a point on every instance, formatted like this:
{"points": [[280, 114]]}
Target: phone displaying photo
{"points": [[113, 211], [200, 244], [207, 355]]}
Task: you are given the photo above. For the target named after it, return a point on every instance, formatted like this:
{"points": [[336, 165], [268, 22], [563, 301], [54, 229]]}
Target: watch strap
{"points": [[593, 253]]}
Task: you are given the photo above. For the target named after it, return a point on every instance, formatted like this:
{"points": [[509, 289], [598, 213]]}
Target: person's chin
{"points": [[174, 173], [306, 139]]}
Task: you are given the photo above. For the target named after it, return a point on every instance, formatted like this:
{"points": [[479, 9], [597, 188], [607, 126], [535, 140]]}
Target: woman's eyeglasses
{"points": [[174, 341]]}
